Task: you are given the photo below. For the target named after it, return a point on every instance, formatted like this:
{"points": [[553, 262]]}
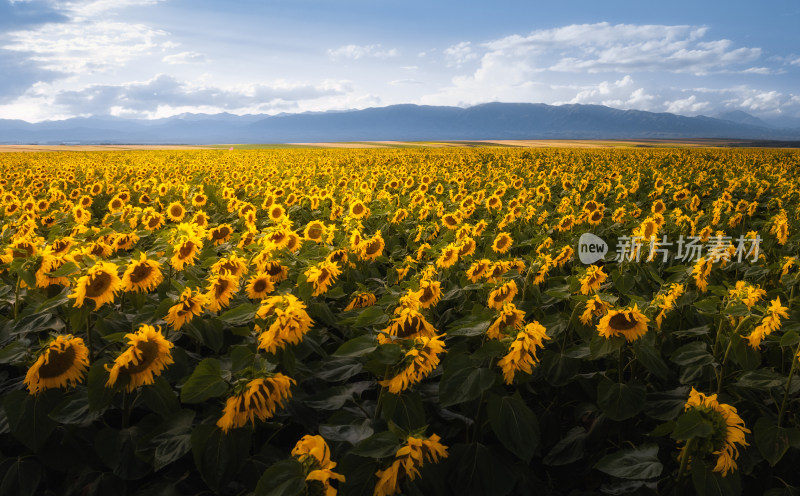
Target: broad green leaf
{"points": [[637, 463], [464, 385], [356, 347], [204, 383], [379, 445], [692, 424], [620, 401], [515, 425], [285, 478]]}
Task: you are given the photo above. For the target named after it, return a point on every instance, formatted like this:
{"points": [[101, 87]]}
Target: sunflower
{"points": [[289, 322], [322, 276], [176, 212], [509, 317], [502, 243], [51, 263], [220, 290], [478, 270], [80, 214], [153, 221], [62, 363], [189, 304], [503, 294], [521, 354], [419, 361], [595, 307], [147, 355], [259, 286], [124, 241], [409, 323], [361, 300], [592, 280], [260, 398], [315, 231], [277, 214], [770, 322], [200, 219], [728, 431], [142, 275], [185, 252], [466, 247], [358, 210], [408, 459], [233, 265], [566, 223], [220, 234], [275, 270], [449, 256], [100, 284], [314, 454], [627, 322], [198, 200], [429, 293], [372, 248]]}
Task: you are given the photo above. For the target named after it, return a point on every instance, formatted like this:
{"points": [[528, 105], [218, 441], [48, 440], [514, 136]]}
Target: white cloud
{"points": [[459, 54], [89, 8], [405, 82], [185, 58], [84, 46], [152, 97], [356, 52]]}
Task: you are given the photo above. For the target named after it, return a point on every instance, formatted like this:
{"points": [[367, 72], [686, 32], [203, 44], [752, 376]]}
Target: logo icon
{"points": [[591, 248]]}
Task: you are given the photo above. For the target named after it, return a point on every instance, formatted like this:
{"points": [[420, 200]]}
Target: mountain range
{"points": [[491, 121]]}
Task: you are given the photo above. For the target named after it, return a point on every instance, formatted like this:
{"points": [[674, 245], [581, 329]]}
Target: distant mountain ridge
{"points": [[490, 121]]}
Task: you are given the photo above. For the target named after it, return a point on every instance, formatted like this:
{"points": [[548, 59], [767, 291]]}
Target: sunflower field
{"points": [[400, 321]]}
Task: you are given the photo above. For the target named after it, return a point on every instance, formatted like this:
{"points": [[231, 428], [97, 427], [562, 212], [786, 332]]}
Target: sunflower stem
{"points": [[721, 374], [684, 461], [16, 297], [88, 334], [788, 385]]}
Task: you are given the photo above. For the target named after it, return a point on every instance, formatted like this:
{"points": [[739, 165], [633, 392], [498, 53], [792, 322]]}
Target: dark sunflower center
{"points": [[140, 273], [260, 285], [153, 222], [149, 353], [97, 250], [99, 285], [410, 326], [221, 287], [427, 295], [186, 250], [597, 215], [220, 233], [510, 319], [502, 242], [176, 211], [58, 362], [274, 269], [315, 232], [622, 322], [358, 209], [231, 267], [373, 247]]}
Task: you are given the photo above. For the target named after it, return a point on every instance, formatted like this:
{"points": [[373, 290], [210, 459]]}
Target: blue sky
{"points": [[157, 58]]}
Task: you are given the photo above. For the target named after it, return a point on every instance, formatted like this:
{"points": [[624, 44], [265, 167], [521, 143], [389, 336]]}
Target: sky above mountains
{"points": [[157, 58]]}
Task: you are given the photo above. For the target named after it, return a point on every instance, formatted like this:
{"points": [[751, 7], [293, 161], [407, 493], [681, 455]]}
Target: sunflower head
{"points": [[629, 323], [147, 355], [62, 363], [100, 284]]}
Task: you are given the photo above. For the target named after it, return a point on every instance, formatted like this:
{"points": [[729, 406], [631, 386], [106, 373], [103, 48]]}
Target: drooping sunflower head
{"points": [[142, 275], [502, 295], [728, 431], [147, 355], [502, 243], [62, 363], [627, 322], [100, 284], [429, 293]]}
